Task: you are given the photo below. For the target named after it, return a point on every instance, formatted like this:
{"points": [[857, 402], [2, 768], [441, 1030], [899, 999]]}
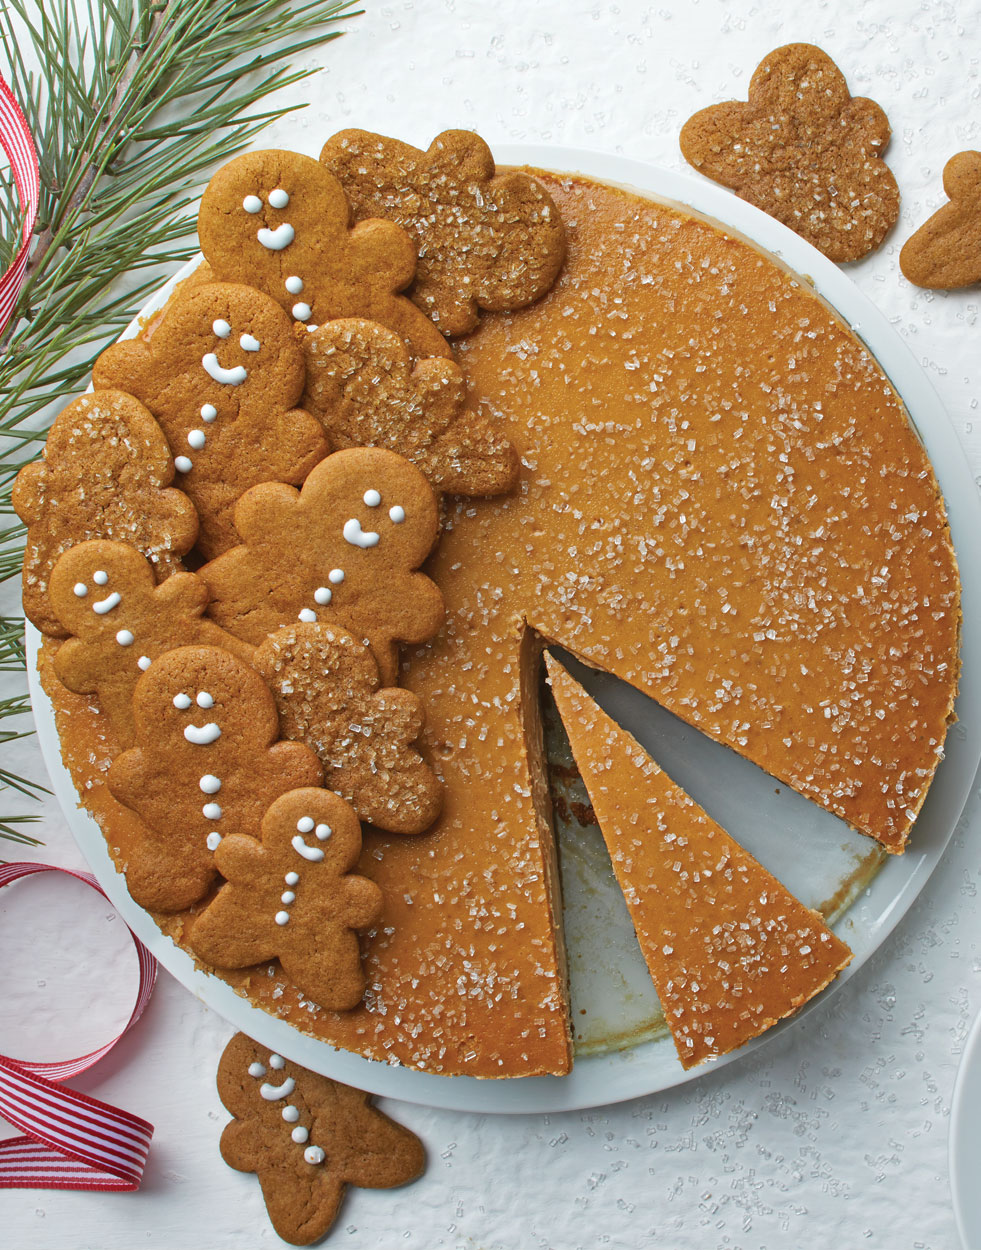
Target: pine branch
{"points": [[134, 107]]}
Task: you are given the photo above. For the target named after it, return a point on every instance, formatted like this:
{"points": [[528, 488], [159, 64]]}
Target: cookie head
{"points": [[100, 588], [314, 825]]}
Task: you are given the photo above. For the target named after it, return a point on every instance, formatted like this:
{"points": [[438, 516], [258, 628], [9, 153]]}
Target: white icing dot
{"points": [[257, 1069], [196, 439], [291, 1115], [183, 464], [300, 1135], [213, 841], [249, 343], [211, 811], [182, 701], [204, 699], [282, 917], [294, 284], [100, 577], [301, 311], [397, 514], [208, 413], [292, 878], [144, 662], [278, 198], [307, 616], [287, 897], [209, 784], [314, 1154], [80, 590], [323, 594], [372, 498], [304, 824], [335, 576], [221, 328], [252, 204], [324, 832], [277, 1062], [124, 637]]}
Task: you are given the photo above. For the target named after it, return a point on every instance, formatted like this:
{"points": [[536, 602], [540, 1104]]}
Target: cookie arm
{"points": [[363, 901], [124, 367], [231, 932]]}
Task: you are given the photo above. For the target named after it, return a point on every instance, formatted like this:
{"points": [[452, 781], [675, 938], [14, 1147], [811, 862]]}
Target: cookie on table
{"points": [[105, 596], [945, 252], [280, 221], [307, 1138], [222, 374], [485, 240], [804, 150], [208, 763], [345, 548], [105, 472], [363, 388], [328, 693], [294, 898]]}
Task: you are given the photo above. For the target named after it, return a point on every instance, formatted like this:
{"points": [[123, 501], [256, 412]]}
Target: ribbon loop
{"points": [[18, 143]]}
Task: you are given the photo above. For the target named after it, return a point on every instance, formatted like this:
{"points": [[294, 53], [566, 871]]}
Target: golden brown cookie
{"points": [[946, 250], [294, 898], [208, 763], [344, 549], [803, 150], [307, 1138], [280, 221], [120, 620], [485, 240], [222, 374], [361, 384], [105, 473], [326, 687]]}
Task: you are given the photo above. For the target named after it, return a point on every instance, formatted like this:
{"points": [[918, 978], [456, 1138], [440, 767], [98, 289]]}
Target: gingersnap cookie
{"points": [[307, 1138], [208, 763], [485, 240], [222, 374], [105, 472], [280, 221], [326, 686], [362, 386], [294, 897], [804, 150], [945, 252], [344, 549], [119, 620]]}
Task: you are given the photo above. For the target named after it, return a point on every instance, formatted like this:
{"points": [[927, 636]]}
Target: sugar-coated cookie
{"points": [[326, 687], [280, 221], [307, 1138], [222, 374], [362, 386], [344, 549], [804, 150], [485, 240], [105, 596], [946, 250], [208, 764], [105, 472], [294, 898]]}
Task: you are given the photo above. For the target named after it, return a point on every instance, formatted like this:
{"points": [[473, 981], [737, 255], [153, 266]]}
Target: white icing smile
{"points": [[276, 240], [312, 853], [356, 536], [102, 606], [202, 735], [272, 1093], [229, 377]]}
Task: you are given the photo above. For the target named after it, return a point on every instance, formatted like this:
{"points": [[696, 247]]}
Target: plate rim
{"points": [[651, 1066], [967, 1072]]}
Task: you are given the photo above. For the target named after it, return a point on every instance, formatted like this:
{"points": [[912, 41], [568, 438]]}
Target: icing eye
{"points": [[323, 594], [324, 832], [397, 514], [125, 638], [196, 439], [182, 701], [257, 1070], [307, 616], [277, 1062], [335, 576], [183, 464], [204, 699], [294, 284], [278, 198], [252, 204], [372, 498], [80, 590], [304, 824], [221, 328], [100, 577], [249, 343], [208, 412]]}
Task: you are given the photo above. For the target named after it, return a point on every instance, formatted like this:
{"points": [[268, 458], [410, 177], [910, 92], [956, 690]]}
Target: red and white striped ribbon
{"points": [[73, 1141], [18, 143]]}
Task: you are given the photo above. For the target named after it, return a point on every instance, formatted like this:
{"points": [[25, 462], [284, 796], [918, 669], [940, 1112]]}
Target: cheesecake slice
{"points": [[729, 949]]}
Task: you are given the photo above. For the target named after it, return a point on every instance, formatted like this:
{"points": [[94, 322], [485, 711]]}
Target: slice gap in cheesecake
{"points": [[729, 949]]}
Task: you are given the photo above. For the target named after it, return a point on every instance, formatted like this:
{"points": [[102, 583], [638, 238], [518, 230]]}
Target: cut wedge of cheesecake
{"points": [[729, 949]]}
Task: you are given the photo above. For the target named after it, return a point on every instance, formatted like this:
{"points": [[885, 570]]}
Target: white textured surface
{"points": [[836, 1133]]}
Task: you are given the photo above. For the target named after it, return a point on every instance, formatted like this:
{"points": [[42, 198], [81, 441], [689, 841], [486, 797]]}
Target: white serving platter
{"points": [[623, 1054], [964, 1143]]}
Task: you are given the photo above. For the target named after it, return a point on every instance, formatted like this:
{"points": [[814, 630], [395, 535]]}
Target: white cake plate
{"points": [[810, 851]]}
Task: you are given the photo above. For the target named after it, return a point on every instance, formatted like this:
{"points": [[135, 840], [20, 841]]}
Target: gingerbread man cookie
{"points": [[361, 384], [280, 221], [105, 473], [222, 374], [344, 549], [326, 687], [120, 620], [307, 1138], [208, 763], [804, 150], [295, 898], [945, 252], [485, 240]]}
